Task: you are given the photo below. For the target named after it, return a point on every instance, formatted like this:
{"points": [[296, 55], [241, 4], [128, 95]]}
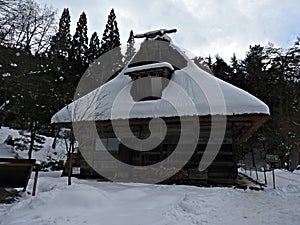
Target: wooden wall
{"points": [[223, 170]]}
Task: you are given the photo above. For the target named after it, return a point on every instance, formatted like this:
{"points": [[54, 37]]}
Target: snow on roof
{"points": [[191, 92], [148, 67]]}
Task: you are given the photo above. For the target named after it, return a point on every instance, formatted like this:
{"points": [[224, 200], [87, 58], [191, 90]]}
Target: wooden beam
{"points": [[256, 120], [251, 129]]}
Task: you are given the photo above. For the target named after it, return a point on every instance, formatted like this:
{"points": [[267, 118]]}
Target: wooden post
{"points": [[36, 174], [71, 151], [256, 173], [253, 163], [70, 169], [28, 177], [273, 175], [265, 176]]}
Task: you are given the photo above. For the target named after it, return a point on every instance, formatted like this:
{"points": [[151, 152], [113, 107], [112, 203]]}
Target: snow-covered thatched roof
{"points": [[191, 92]]}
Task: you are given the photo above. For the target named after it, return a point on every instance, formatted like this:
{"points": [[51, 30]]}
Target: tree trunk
{"points": [[33, 129]]}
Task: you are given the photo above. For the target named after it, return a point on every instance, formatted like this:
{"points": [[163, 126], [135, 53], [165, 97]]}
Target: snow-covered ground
{"points": [[92, 202]]}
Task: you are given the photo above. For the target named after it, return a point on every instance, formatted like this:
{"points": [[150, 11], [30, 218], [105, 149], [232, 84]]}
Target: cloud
{"points": [[204, 27]]}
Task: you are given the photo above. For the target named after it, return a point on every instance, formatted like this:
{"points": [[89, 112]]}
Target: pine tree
{"points": [[94, 48], [61, 41], [130, 51], [237, 75], [200, 62], [62, 70], [208, 61], [80, 41], [221, 69], [254, 70], [111, 36], [293, 65], [111, 43]]}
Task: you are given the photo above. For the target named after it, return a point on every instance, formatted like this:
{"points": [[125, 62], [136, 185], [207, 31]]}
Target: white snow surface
{"points": [[191, 92], [93, 203], [7, 151]]}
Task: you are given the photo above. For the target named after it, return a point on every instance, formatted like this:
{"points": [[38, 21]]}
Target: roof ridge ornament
{"points": [[155, 33]]}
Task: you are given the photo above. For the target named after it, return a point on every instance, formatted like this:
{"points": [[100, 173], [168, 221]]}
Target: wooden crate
{"points": [[15, 173]]}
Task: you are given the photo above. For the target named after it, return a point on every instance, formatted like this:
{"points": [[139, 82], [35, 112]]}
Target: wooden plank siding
{"points": [[223, 170]]}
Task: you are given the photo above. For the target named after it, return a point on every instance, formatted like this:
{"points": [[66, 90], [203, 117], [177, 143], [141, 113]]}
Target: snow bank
{"points": [[46, 154], [7, 151]]}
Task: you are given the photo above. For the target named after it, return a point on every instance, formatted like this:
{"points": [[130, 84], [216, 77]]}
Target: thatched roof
{"points": [[191, 92]]}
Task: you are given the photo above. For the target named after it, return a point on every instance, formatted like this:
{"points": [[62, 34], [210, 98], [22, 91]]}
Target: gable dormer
{"points": [[149, 80]]}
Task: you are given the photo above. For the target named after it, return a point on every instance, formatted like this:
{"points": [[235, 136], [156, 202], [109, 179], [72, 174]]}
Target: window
{"points": [[110, 144]]}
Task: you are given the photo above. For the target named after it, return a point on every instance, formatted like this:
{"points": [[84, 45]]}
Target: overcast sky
{"points": [[204, 26]]}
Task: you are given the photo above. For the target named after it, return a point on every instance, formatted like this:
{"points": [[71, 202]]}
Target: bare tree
{"points": [[7, 5], [25, 24]]}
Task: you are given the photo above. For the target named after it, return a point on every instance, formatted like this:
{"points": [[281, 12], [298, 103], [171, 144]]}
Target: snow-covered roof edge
{"points": [[148, 67]]}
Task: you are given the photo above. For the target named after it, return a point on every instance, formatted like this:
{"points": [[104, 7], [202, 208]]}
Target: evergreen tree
{"points": [[200, 62], [61, 41], [61, 69], [234, 63], [220, 69], [130, 51], [275, 80], [255, 71], [292, 100], [111, 36], [80, 41], [208, 61], [237, 75], [94, 48], [293, 65], [270, 79], [112, 62]]}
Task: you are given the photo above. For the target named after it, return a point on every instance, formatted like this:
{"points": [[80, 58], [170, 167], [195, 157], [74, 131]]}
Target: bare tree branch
{"points": [[24, 24]]}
